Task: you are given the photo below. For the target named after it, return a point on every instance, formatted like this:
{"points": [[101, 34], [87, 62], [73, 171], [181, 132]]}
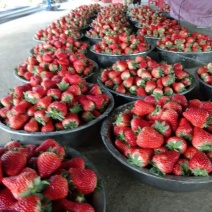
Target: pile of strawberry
{"points": [[122, 44], [165, 8], [54, 32], [53, 63], [168, 136], [114, 8], [106, 25], [158, 29], [138, 14], [44, 178], [92, 9], [144, 76], [183, 41], [69, 45], [60, 103], [205, 73]]}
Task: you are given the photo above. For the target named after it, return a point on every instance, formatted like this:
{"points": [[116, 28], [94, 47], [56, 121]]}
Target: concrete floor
{"points": [[124, 192]]}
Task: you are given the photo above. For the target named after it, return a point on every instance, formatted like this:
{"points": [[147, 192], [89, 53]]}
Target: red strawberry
{"points": [[67, 96], [168, 80], [128, 82], [31, 126], [18, 121], [198, 117], [95, 89], [46, 145], [121, 146], [190, 152], [139, 157], [98, 100], [13, 162], [71, 121], [23, 184], [120, 89], [12, 144], [31, 203], [75, 90], [70, 206], [120, 66], [163, 127], [163, 163], [156, 114], [129, 137], [181, 167], [202, 140], [47, 163], [177, 144], [57, 188], [170, 116], [44, 102], [138, 123], [184, 129], [174, 106], [142, 108], [122, 119], [84, 180], [6, 198], [40, 117], [32, 96], [7, 100], [76, 162], [200, 164], [48, 127], [149, 138], [55, 93], [57, 110]]}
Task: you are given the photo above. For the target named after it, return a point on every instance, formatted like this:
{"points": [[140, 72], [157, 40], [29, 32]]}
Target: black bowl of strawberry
{"points": [[191, 50], [61, 175], [163, 142], [45, 111], [137, 78], [47, 65], [120, 47], [204, 77]]}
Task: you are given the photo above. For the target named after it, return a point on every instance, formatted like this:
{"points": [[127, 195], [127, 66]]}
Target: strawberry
{"points": [[40, 117], [54, 93], [32, 96], [98, 100], [75, 79], [156, 114], [190, 152], [180, 99], [31, 126], [57, 110], [122, 120], [76, 162], [18, 121], [67, 96], [87, 116], [171, 116], [12, 144], [163, 163], [44, 102], [128, 82], [200, 164], [24, 184], [157, 72], [150, 86], [95, 90], [75, 90], [163, 128], [168, 80], [177, 144], [31, 203], [178, 87], [57, 188], [129, 137], [47, 163], [137, 124], [120, 66], [181, 167], [46, 145], [174, 106], [84, 180], [6, 198], [139, 157], [168, 91], [48, 127], [87, 105], [184, 129], [198, 117], [70, 121], [120, 89], [142, 108], [7, 100], [70, 206], [13, 162], [202, 140], [149, 138], [121, 146]]}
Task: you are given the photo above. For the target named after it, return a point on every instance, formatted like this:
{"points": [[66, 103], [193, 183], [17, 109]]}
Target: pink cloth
{"points": [[198, 12]]}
